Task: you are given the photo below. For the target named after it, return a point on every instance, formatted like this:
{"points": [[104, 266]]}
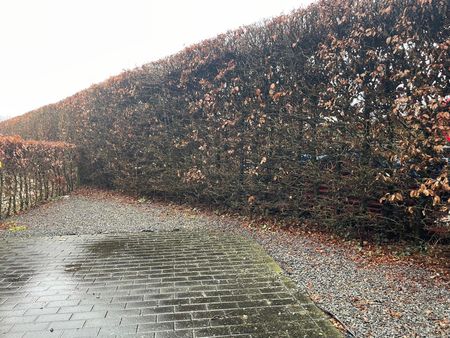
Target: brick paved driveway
{"points": [[164, 284]]}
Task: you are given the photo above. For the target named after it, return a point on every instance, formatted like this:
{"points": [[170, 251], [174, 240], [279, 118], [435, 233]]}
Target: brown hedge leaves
{"points": [[32, 172], [346, 102]]}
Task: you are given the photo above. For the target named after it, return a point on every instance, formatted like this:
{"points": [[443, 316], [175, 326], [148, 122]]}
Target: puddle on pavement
{"points": [[72, 267], [106, 247], [15, 278]]}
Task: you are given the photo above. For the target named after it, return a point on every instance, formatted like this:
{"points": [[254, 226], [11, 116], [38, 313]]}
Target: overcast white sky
{"points": [[50, 49]]}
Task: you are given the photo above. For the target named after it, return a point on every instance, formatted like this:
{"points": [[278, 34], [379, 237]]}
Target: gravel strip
{"points": [[78, 214], [381, 301]]}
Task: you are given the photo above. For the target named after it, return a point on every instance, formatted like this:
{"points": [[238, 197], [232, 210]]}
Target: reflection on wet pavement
{"points": [[162, 284]]}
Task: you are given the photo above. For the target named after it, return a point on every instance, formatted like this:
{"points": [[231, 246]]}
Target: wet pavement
{"points": [[161, 284]]}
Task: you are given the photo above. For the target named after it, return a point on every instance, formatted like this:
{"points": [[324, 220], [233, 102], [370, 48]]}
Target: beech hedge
{"points": [[337, 113], [32, 172]]}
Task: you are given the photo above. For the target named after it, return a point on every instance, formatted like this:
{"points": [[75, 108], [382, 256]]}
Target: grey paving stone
{"points": [[160, 285], [10, 313], [175, 334], [63, 303], [85, 332], [4, 328], [41, 310], [118, 331], [18, 319], [89, 315], [145, 319], [43, 334], [102, 322], [159, 309], [29, 327], [74, 309], [196, 323], [15, 335], [67, 324], [53, 318], [155, 327], [141, 305], [212, 332], [123, 313]]}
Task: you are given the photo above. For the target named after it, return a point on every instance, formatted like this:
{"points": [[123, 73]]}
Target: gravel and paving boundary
{"points": [[381, 301]]}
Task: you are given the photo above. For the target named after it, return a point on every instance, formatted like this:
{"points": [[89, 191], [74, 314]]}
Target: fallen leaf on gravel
{"points": [[289, 270], [315, 297], [444, 323], [361, 304], [17, 228], [395, 314], [338, 324]]}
